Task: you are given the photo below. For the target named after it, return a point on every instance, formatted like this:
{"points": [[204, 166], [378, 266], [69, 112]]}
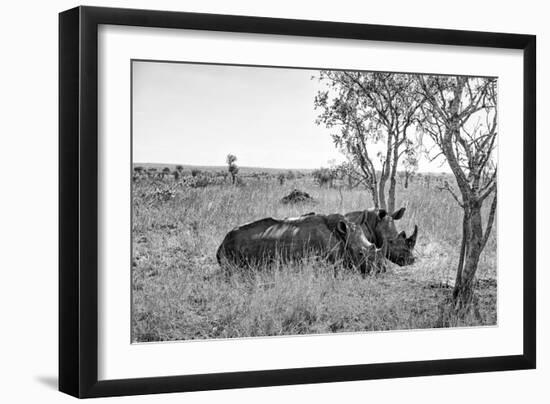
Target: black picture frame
{"points": [[78, 201]]}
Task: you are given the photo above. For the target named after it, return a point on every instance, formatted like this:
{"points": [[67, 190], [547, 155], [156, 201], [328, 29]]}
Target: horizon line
{"points": [[267, 168]]}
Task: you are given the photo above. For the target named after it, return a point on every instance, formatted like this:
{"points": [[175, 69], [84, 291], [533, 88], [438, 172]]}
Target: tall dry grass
{"points": [[179, 292]]}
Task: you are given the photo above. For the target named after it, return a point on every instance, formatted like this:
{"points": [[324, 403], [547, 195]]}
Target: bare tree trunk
{"points": [[391, 190], [393, 174], [406, 180], [374, 193], [464, 289], [376, 199], [385, 174], [382, 191], [382, 185], [465, 237], [391, 195]]}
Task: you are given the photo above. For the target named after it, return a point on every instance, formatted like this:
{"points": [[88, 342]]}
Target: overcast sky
{"points": [[197, 114]]}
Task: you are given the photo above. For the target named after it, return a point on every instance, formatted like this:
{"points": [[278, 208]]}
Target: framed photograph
{"points": [[250, 201]]}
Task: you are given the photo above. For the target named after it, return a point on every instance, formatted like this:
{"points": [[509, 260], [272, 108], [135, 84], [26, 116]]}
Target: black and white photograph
{"points": [[274, 201]]}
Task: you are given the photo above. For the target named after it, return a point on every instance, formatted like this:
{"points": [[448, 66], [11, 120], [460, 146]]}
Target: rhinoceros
{"points": [[330, 237], [379, 228]]}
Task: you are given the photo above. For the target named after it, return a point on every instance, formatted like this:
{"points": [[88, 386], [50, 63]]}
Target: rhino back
{"points": [[288, 239]]}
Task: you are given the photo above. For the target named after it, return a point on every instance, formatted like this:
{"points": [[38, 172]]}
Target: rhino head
{"points": [[361, 253], [400, 248], [379, 227]]}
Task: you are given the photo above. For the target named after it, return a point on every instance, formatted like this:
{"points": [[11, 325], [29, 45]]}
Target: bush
{"points": [[323, 176]]}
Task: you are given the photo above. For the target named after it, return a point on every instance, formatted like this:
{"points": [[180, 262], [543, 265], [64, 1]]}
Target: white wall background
{"points": [[28, 198]]}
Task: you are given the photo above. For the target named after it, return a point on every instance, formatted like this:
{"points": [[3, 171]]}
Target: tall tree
{"points": [[369, 108], [460, 115]]}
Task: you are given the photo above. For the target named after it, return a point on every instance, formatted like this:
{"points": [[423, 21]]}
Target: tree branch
{"points": [[447, 187]]}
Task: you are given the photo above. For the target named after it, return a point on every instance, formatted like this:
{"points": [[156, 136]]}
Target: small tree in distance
{"points": [[232, 167], [323, 176], [410, 163]]}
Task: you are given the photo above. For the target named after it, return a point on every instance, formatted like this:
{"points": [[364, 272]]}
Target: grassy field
{"points": [[179, 291]]}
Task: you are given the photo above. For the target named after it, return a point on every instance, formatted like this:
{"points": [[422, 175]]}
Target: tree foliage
{"points": [[365, 109]]}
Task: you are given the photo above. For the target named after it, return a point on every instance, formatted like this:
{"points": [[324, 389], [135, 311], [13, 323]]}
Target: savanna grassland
{"points": [[179, 292]]}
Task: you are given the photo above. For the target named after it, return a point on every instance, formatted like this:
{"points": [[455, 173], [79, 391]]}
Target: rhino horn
{"points": [[411, 241]]}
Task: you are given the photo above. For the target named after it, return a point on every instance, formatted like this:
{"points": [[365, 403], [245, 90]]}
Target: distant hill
{"points": [[242, 170]]}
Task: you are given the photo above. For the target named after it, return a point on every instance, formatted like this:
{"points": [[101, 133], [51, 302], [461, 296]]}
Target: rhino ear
{"points": [[342, 227], [398, 214]]}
